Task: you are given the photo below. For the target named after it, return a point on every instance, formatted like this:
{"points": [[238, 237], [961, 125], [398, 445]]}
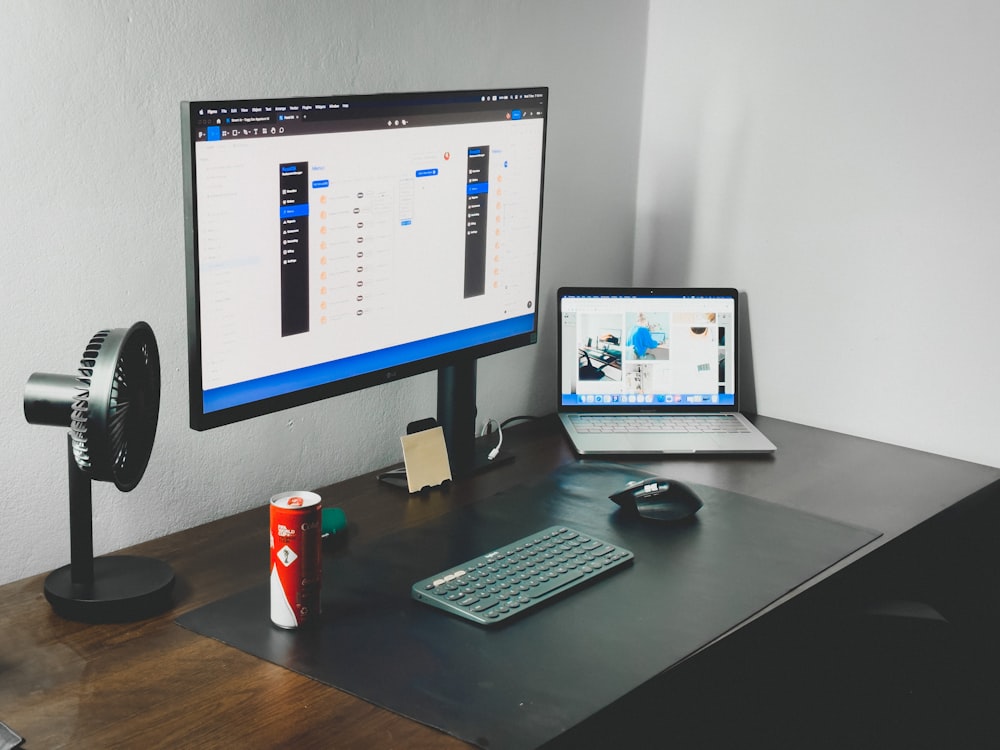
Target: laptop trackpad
{"points": [[665, 443]]}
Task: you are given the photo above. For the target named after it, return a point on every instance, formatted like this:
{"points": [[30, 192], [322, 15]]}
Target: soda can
{"points": [[296, 558]]}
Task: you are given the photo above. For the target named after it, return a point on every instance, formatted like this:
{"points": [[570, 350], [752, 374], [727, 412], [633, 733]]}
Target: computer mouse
{"points": [[658, 499]]}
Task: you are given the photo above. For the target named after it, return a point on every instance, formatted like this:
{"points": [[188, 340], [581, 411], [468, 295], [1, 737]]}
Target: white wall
{"points": [[840, 162], [92, 220]]}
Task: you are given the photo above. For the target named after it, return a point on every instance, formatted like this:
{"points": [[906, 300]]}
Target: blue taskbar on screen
{"points": [[643, 399], [280, 384]]}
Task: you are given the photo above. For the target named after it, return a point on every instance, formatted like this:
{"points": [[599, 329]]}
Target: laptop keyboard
{"points": [[658, 423]]}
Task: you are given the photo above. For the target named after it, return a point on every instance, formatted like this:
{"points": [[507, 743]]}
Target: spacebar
{"points": [[554, 585]]}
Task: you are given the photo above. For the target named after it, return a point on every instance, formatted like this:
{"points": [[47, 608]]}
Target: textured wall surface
{"points": [[92, 219], [839, 162]]}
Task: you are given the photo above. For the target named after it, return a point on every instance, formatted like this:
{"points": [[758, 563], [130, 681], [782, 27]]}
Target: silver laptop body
{"points": [[646, 370]]}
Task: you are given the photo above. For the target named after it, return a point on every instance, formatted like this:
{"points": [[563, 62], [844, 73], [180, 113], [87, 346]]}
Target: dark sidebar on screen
{"points": [[476, 196], [294, 217]]}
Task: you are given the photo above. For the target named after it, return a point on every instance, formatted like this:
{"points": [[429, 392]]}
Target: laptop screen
{"points": [[641, 349]]}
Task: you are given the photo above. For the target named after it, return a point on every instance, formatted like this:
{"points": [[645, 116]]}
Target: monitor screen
{"points": [[675, 349], [336, 243]]}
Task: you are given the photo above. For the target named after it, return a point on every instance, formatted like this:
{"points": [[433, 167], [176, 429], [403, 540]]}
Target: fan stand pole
{"points": [[117, 588], [81, 525]]}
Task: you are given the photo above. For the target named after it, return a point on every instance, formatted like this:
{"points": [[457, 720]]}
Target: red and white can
{"points": [[296, 558]]}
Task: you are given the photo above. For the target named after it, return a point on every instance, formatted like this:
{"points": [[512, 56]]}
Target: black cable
{"points": [[523, 418]]}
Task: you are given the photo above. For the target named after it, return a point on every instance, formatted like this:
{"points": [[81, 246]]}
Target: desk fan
{"points": [[111, 407]]}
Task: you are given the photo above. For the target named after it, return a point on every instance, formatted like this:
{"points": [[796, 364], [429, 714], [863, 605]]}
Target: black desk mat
{"points": [[526, 682]]}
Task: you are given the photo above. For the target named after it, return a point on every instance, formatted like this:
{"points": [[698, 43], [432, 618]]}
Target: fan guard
{"points": [[111, 408], [116, 407]]}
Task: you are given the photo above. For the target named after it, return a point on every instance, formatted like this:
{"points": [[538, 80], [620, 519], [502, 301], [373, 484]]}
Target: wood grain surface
{"points": [[155, 684]]}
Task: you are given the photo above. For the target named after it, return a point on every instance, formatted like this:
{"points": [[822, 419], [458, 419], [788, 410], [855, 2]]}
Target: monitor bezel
{"points": [[200, 419], [639, 293]]}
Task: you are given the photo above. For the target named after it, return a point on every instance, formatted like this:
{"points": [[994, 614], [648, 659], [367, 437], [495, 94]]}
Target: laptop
{"points": [[652, 371]]}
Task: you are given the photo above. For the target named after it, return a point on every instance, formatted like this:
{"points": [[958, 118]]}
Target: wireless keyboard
{"points": [[514, 578]]}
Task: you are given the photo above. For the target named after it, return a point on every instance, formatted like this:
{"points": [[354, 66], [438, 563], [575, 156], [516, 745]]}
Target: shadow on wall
{"points": [[747, 384], [664, 238]]}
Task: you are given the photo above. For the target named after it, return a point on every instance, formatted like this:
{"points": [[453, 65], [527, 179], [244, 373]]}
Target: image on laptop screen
{"points": [[648, 349]]}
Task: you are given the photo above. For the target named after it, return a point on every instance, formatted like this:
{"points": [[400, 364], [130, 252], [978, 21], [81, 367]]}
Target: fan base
{"points": [[125, 589]]}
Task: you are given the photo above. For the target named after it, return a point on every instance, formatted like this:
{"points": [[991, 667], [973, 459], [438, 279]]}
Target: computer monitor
{"points": [[341, 242]]}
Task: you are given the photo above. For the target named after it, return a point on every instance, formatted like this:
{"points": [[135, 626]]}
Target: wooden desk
{"points": [[155, 684]]}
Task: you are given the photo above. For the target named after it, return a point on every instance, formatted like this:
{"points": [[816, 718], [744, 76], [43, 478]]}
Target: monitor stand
{"points": [[457, 417]]}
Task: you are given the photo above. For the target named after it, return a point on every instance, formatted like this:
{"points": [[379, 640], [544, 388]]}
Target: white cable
{"points": [[496, 450]]}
